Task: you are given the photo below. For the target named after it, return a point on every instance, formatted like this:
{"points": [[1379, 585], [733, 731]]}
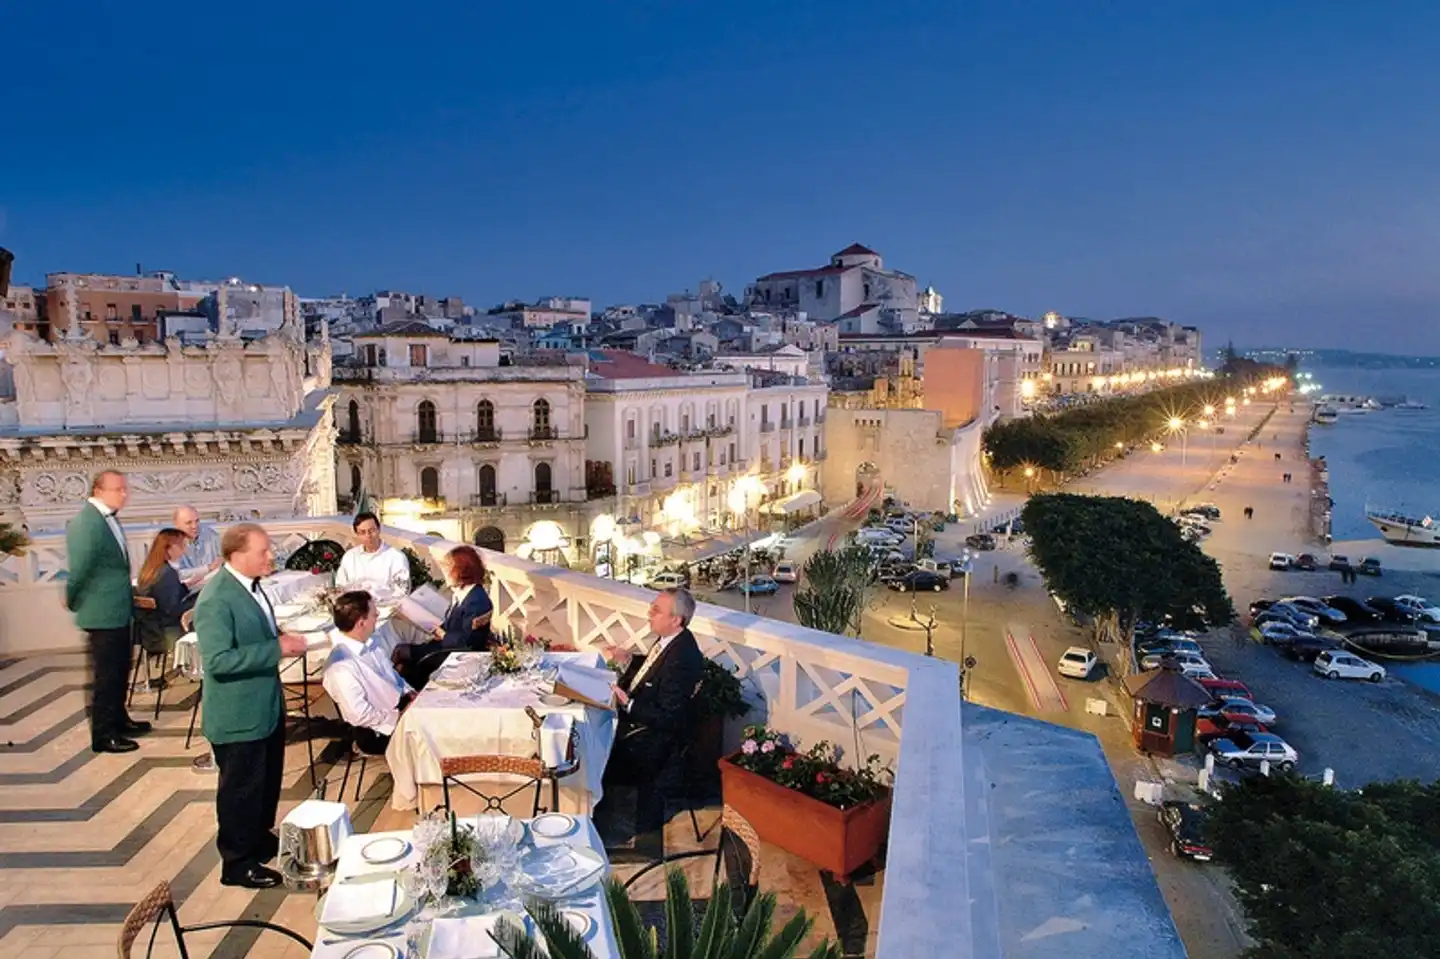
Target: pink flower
{"points": [[821, 778], [767, 747], [749, 747], [789, 763], [314, 569]]}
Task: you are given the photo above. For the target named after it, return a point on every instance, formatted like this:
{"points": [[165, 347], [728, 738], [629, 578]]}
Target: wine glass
{"points": [[435, 868]]}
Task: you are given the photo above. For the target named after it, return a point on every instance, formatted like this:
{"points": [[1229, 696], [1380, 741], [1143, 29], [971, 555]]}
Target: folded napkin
{"points": [[341, 948], [351, 902], [464, 938], [554, 738]]}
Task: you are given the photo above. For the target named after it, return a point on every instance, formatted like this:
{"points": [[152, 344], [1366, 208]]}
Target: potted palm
{"points": [[809, 803]]}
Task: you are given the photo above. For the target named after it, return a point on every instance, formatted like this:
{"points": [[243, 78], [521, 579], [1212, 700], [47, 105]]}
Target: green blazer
{"points": [[240, 655], [97, 589]]}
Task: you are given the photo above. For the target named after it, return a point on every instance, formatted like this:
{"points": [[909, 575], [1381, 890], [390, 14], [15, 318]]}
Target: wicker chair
{"points": [[159, 905], [738, 851], [531, 768]]}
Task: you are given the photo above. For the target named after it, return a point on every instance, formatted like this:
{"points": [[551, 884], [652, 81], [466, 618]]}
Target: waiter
{"points": [[99, 593], [240, 651]]}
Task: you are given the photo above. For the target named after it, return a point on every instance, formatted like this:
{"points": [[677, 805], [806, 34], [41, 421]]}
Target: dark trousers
{"points": [[109, 655], [247, 798], [370, 742], [648, 760]]}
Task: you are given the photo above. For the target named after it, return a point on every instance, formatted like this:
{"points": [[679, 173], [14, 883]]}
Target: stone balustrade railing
{"points": [[809, 684]]}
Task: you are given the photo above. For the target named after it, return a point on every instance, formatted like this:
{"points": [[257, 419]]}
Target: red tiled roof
{"points": [[796, 274], [855, 249], [620, 365]]}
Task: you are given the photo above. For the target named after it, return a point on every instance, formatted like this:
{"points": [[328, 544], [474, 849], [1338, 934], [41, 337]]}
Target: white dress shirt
{"points": [[364, 685], [386, 568], [113, 524], [257, 594]]}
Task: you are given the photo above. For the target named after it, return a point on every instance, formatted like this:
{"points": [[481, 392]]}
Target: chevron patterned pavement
{"points": [[83, 837]]}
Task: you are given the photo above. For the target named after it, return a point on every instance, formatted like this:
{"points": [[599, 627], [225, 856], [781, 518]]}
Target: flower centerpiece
{"points": [[456, 852], [316, 556], [807, 802], [516, 654]]}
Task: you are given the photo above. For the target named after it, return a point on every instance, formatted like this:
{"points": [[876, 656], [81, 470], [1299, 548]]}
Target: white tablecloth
{"points": [[352, 864], [281, 587], [442, 722]]}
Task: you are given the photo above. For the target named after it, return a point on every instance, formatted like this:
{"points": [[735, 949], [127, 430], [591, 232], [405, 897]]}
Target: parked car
{"points": [[903, 525], [1207, 510], [1193, 660], [1338, 664], [1077, 662], [1229, 688], [668, 580], [1339, 562], [1176, 644], [1253, 749], [1316, 607], [1369, 566], [1304, 649], [1239, 710], [1281, 561], [1356, 612], [1279, 633], [981, 541], [1218, 727], [1185, 822], [1259, 606], [918, 580], [1304, 623], [1308, 562], [1420, 606], [940, 567], [1391, 611], [786, 571], [1295, 614], [877, 535], [763, 585]]}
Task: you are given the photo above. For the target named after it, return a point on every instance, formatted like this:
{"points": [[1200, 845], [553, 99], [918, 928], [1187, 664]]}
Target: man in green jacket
{"points": [[240, 651], [98, 592]]}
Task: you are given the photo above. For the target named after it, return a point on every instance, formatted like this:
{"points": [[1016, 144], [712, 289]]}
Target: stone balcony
{"points": [[975, 861]]}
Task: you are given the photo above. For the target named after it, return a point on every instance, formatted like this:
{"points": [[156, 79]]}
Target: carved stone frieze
{"points": [[170, 482]]}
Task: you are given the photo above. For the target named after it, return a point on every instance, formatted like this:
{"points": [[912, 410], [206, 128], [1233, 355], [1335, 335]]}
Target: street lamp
{"points": [[603, 531], [1209, 410], [1177, 425], [1156, 447], [1029, 479], [967, 565]]}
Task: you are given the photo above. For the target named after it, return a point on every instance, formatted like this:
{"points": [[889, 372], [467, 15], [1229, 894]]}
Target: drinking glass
{"points": [[412, 881]]}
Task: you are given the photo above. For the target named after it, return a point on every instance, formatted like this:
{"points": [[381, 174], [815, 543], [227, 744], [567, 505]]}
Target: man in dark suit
{"points": [[656, 701], [99, 593], [240, 649]]}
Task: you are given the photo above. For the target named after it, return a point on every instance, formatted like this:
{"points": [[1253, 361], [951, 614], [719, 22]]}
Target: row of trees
{"points": [[1323, 872], [1119, 561], [1084, 436]]}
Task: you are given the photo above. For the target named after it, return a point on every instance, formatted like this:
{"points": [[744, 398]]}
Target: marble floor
{"points": [[83, 837]]}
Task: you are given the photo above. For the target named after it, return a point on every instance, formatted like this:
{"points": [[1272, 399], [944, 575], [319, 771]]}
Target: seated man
{"points": [[202, 547], [656, 699], [358, 676], [372, 564]]}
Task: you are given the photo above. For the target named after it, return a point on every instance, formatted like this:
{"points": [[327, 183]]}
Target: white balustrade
{"points": [[806, 683]]}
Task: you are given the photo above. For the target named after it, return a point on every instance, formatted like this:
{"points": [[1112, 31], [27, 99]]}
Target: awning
{"points": [[700, 549], [793, 503]]}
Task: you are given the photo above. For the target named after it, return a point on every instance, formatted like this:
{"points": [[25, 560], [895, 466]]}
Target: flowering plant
{"points": [[816, 772], [317, 556], [516, 654]]}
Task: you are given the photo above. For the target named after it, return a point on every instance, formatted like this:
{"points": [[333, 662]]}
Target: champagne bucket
{"points": [[310, 836]]}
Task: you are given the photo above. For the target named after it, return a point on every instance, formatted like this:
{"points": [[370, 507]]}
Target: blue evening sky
{"points": [[1265, 170]]}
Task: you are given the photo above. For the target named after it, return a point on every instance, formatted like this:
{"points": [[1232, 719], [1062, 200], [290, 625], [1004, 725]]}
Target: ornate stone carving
{"points": [[228, 370], [267, 477], [57, 488], [178, 481], [9, 488]]}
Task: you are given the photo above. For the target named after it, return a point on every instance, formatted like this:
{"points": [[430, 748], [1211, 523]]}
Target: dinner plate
{"points": [[559, 872], [553, 825], [553, 700], [582, 922], [373, 950], [404, 905], [387, 849], [305, 624]]}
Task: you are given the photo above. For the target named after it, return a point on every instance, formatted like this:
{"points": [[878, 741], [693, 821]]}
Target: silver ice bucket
{"points": [[310, 836]]}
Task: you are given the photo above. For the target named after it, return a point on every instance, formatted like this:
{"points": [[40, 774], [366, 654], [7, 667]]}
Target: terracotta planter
{"points": [[838, 840]]}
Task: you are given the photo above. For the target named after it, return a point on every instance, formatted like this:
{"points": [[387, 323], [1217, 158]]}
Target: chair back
{"points": [[529, 768], [739, 852], [158, 904]]}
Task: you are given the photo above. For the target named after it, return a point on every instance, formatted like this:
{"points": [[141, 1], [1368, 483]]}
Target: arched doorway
{"points": [[543, 491], [485, 421], [352, 422], [426, 430], [867, 477], [490, 537], [355, 481], [429, 483], [486, 477], [540, 428]]}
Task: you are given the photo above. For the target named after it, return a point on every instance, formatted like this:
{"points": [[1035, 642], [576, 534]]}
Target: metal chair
{"points": [[351, 745], [738, 851], [144, 658], [160, 904], [530, 767], [568, 766]]}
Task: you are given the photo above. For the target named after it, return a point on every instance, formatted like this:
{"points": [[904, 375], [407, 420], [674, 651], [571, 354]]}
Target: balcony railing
{"points": [[807, 684], [802, 421], [427, 436], [487, 434], [658, 440], [488, 498], [544, 433], [767, 426], [545, 497], [348, 438], [787, 424]]}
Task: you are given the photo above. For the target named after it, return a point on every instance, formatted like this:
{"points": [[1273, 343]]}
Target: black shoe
{"points": [[252, 877], [269, 847], [114, 744], [135, 727]]}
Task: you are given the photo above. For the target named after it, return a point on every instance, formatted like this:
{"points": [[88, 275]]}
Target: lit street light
{"points": [[1177, 425], [1209, 410]]}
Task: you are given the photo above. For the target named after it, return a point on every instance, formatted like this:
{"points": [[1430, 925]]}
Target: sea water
{"points": [[1384, 458]]}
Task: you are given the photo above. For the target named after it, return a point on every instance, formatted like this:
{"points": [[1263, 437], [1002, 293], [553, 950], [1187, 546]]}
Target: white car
{"points": [[1281, 561], [1076, 662], [1420, 606], [1338, 664], [786, 571], [664, 581], [1192, 660]]}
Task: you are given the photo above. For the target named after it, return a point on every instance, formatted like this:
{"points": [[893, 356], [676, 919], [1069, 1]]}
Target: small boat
{"points": [[1349, 404], [1380, 642], [1411, 405], [1404, 529], [1326, 415]]}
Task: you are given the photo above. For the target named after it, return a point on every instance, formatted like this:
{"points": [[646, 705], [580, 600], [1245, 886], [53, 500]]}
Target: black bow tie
{"points": [[255, 585]]}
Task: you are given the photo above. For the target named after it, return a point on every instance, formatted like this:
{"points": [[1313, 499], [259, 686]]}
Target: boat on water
{"points": [[1349, 404], [1411, 405], [1404, 529], [1382, 642], [1326, 415]]}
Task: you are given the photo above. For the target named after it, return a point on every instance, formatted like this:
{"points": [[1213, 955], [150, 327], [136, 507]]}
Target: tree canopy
{"points": [[835, 587], [1120, 561], [1322, 872]]}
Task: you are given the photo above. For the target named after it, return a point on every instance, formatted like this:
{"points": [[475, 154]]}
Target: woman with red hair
{"points": [[467, 624]]}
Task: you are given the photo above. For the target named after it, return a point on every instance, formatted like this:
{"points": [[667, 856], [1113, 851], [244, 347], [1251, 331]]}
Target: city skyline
{"points": [[1235, 174]]}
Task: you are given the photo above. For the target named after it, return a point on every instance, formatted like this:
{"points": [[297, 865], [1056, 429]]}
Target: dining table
{"points": [[410, 927], [493, 717]]}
